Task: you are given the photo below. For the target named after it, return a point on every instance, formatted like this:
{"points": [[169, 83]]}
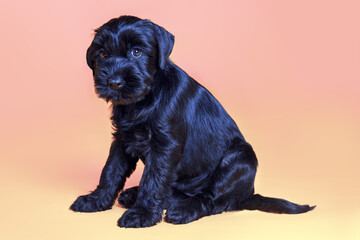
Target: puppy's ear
{"points": [[165, 42], [90, 57]]}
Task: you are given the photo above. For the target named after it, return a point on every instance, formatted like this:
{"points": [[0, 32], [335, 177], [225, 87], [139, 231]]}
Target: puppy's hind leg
{"points": [[233, 180], [231, 184], [128, 197]]}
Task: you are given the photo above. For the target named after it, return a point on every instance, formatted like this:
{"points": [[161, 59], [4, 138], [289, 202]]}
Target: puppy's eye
{"points": [[103, 54], [136, 53]]}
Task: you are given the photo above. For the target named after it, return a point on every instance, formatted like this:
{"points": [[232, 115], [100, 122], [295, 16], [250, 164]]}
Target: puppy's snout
{"points": [[116, 83]]}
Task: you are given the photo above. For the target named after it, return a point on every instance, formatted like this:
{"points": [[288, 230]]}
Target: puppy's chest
{"points": [[137, 140]]}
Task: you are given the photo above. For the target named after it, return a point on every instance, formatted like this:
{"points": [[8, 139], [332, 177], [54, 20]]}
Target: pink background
{"points": [[288, 72]]}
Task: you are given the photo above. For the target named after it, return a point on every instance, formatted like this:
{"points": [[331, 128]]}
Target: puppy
{"points": [[197, 163]]}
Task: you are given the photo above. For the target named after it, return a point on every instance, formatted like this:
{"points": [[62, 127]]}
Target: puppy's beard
{"points": [[118, 98], [125, 101]]}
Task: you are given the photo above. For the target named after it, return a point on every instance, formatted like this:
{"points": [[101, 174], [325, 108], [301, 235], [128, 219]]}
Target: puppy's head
{"points": [[125, 55]]}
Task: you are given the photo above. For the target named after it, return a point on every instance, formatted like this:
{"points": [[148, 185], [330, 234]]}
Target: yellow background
{"points": [[288, 72]]}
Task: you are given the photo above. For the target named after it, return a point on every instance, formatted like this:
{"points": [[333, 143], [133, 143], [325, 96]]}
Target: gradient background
{"points": [[288, 72]]}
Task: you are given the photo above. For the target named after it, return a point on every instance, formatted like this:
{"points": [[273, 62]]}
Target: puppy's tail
{"points": [[274, 205]]}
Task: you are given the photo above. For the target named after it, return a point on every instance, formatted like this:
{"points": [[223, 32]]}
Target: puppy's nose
{"points": [[116, 84]]}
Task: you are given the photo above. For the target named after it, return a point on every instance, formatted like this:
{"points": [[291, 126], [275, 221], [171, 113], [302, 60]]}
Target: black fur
{"points": [[197, 163]]}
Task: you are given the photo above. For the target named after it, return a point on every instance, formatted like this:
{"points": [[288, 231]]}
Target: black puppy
{"points": [[197, 163]]}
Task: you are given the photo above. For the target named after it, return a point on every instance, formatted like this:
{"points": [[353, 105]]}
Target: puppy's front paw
{"points": [[91, 203], [137, 217]]}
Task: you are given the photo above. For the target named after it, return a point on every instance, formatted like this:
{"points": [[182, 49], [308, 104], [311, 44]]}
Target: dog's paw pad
{"points": [[89, 203], [139, 217], [178, 215], [188, 210]]}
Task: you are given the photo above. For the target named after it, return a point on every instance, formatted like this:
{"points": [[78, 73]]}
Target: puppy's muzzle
{"points": [[116, 83]]}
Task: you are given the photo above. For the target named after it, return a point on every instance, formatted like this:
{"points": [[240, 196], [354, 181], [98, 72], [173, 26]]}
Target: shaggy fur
{"points": [[197, 163]]}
